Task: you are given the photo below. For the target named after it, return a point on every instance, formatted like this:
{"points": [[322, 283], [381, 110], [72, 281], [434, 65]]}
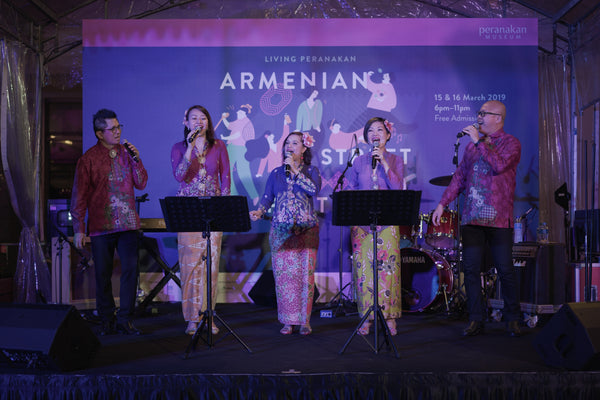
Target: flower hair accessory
{"points": [[389, 125], [308, 140]]}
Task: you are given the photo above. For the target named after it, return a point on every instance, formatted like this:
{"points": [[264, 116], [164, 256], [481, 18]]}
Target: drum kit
{"points": [[431, 274]]}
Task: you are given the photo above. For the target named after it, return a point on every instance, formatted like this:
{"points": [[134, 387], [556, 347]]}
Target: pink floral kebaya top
{"points": [[207, 173], [104, 187], [487, 176]]}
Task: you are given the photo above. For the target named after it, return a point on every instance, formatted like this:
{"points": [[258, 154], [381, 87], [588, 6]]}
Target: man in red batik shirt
{"points": [[105, 178], [486, 175]]}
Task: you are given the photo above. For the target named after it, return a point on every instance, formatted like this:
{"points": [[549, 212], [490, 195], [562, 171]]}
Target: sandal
{"points": [[391, 323], [191, 328], [287, 330], [305, 330], [214, 329], [364, 328]]}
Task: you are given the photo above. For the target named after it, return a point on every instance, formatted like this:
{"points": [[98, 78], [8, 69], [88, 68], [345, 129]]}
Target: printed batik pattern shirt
{"points": [[104, 188], [487, 176]]}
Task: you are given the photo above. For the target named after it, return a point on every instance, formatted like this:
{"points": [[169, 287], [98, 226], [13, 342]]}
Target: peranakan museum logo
{"points": [[510, 32]]}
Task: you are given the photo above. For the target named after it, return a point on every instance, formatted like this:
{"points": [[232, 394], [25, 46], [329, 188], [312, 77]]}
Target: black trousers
{"points": [[475, 240]]}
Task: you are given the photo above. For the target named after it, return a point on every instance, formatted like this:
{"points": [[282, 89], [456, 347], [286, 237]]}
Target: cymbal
{"points": [[441, 180]]}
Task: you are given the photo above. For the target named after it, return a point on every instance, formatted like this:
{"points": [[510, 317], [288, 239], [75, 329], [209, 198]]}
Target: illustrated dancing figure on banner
{"points": [[201, 166], [378, 170], [294, 233], [310, 113], [486, 175], [272, 159], [382, 101], [105, 178], [309, 117], [339, 140], [242, 130]]}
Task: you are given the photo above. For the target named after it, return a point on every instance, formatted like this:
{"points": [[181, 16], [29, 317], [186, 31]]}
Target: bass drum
{"points": [[425, 277]]}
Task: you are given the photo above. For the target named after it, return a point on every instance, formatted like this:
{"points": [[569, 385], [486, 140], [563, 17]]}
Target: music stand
{"points": [[373, 208], [206, 214]]}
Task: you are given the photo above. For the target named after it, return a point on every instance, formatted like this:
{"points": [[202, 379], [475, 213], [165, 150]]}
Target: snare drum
{"points": [[443, 235], [426, 275]]}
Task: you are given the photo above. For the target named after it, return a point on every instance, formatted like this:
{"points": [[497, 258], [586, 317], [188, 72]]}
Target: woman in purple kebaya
{"points": [[294, 234], [377, 170], [201, 166]]}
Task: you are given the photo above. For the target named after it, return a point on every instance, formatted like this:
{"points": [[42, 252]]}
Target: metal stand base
{"points": [[378, 322], [207, 321]]}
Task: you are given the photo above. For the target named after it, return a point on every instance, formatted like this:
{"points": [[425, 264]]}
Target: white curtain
{"points": [[20, 139], [554, 139]]}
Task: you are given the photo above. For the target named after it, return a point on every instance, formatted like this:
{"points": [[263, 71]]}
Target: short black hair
{"points": [[368, 125], [100, 119]]}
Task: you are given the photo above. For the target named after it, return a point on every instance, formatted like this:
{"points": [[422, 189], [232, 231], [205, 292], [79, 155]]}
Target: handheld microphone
{"points": [[194, 134], [356, 145], [373, 159], [131, 152], [463, 133], [287, 166]]}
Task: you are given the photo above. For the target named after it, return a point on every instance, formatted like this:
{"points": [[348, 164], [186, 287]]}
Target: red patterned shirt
{"points": [[104, 188], [487, 177]]}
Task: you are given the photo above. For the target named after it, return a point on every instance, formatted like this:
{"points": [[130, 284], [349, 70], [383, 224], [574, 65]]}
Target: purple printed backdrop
{"points": [[329, 79]]}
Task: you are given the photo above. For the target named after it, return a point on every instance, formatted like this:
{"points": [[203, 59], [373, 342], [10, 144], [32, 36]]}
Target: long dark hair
{"points": [[307, 156], [210, 131], [368, 125]]}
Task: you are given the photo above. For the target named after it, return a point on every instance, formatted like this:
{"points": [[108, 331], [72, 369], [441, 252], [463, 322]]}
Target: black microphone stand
{"points": [[83, 263], [339, 300], [139, 294], [456, 146], [457, 297]]}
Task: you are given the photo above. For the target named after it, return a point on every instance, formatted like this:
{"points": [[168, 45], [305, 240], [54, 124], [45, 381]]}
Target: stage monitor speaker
{"points": [[263, 292], [46, 336], [542, 272], [571, 339]]}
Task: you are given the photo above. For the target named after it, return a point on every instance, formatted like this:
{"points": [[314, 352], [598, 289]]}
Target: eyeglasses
{"points": [[484, 113], [115, 128]]}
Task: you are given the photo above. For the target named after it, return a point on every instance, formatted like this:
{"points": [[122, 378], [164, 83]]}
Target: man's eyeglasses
{"points": [[115, 128], [484, 113]]}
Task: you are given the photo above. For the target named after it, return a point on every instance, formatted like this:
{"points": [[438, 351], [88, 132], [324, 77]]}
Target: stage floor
{"points": [[426, 342], [429, 345]]}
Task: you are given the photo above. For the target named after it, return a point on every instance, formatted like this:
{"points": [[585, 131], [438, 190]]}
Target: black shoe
{"points": [[474, 328], [128, 329], [513, 328], [108, 328]]}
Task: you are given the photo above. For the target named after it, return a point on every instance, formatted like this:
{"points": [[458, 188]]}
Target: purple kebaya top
{"points": [[202, 176], [361, 174]]}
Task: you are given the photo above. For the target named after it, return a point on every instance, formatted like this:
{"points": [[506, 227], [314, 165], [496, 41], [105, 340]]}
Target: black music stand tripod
{"points": [[373, 208], [340, 300], [206, 214]]}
